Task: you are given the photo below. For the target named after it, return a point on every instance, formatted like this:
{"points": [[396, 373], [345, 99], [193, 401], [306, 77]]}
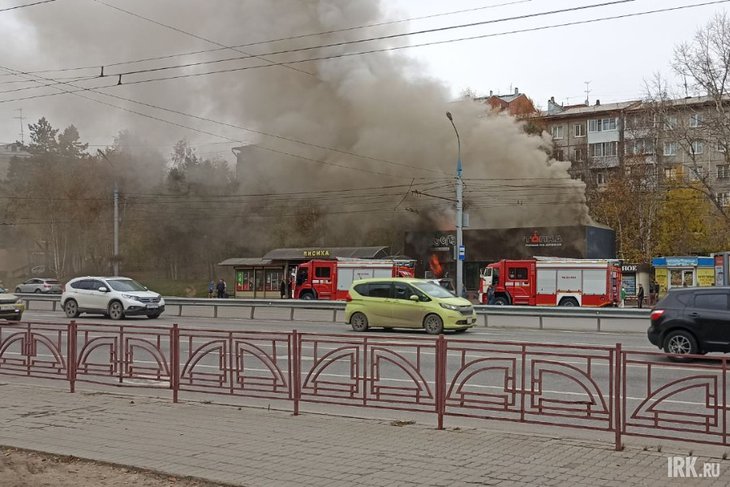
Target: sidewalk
{"points": [[255, 447]]}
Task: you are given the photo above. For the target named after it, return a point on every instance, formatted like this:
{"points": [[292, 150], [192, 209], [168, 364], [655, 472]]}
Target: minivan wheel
{"points": [[116, 310], [359, 322], [680, 342], [71, 308], [433, 324]]}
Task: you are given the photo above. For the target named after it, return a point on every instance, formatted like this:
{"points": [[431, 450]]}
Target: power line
{"points": [[379, 50], [376, 38], [297, 156], [26, 5], [280, 39], [181, 31]]}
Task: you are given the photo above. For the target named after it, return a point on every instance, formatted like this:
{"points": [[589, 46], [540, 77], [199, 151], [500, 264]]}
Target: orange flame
{"points": [[435, 265]]}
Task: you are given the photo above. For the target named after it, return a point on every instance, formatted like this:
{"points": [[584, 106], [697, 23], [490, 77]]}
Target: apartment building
{"points": [[665, 140]]}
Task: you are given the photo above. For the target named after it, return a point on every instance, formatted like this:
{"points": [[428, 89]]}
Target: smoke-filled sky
{"points": [[383, 112]]}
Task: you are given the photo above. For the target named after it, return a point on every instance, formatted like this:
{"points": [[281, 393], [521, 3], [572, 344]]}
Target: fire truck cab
{"points": [[332, 278], [552, 282]]}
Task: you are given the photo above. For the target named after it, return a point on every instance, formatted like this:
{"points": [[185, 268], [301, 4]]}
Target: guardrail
{"points": [[540, 313], [603, 388]]}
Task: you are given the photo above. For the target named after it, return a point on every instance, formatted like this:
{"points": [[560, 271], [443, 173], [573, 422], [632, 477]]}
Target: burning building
{"points": [[434, 250]]}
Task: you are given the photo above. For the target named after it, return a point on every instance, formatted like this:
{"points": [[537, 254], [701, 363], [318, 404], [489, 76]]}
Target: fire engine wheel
{"points": [[501, 301], [307, 296], [359, 322], [569, 302], [433, 324]]}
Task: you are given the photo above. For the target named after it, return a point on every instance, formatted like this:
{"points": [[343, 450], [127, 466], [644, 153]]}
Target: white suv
{"points": [[116, 297]]}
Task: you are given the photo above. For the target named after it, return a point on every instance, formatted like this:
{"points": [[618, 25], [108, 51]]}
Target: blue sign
{"points": [[462, 252]]}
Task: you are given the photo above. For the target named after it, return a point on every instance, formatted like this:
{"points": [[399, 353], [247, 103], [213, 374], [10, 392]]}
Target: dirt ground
{"points": [[22, 468]]}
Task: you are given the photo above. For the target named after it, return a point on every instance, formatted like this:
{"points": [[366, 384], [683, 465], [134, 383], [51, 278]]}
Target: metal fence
{"points": [[293, 309], [591, 387]]}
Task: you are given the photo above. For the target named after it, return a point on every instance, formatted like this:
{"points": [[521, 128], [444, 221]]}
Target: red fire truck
{"points": [[552, 282], [331, 279]]}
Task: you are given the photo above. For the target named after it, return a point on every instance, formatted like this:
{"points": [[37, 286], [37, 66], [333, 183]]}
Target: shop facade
{"points": [[690, 271], [633, 275], [260, 278]]}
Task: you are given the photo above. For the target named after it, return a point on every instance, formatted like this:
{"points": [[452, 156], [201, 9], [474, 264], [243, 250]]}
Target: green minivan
{"points": [[399, 302]]}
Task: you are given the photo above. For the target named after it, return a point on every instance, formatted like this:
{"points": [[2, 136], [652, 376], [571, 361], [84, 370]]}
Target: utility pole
{"points": [[22, 130], [460, 250], [115, 261]]}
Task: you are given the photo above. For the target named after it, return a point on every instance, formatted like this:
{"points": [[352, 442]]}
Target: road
{"points": [[555, 378]]}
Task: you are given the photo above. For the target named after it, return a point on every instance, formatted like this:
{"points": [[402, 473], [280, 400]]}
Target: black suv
{"points": [[692, 321]]}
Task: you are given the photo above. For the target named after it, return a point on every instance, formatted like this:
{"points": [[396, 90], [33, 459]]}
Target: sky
{"points": [[616, 56]]}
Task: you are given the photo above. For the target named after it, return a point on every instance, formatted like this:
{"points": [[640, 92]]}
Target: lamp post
{"points": [[460, 251], [115, 261]]}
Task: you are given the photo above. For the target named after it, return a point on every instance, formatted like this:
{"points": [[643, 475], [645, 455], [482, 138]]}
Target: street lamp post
{"points": [[115, 261], [460, 251]]}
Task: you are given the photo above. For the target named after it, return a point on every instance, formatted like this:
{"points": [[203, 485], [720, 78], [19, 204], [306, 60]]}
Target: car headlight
{"points": [[130, 297], [452, 307]]}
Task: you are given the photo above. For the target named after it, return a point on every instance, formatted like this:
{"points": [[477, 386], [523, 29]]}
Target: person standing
{"points": [[282, 288], [211, 288], [640, 296], [221, 288], [490, 295], [622, 303]]}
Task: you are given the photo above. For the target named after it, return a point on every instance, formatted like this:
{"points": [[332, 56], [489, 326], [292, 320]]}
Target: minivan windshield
{"points": [[433, 290], [125, 285]]}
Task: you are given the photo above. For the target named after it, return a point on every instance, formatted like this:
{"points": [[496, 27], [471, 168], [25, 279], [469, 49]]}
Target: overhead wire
{"points": [[26, 5], [281, 39], [379, 50]]}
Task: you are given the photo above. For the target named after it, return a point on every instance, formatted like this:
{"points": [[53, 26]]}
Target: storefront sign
{"points": [[443, 242], [705, 276], [630, 268], [316, 253], [537, 240]]}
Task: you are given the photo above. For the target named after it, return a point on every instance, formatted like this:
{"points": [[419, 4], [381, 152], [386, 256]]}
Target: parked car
{"points": [[116, 297], [10, 306], [406, 303], [692, 321], [39, 285]]}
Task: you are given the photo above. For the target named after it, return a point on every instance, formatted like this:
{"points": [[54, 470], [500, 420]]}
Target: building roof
{"points": [[583, 110], [236, 261], [306, 253]]}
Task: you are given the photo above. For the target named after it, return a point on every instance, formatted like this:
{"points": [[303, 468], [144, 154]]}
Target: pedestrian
{"points": [[211, 288], [622, 303], [282, 288], [640, 296], [221, 288], [490, 295]]}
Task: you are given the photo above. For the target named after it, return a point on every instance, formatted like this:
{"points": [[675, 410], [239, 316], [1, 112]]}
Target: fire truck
{"points": [[552, 282], [332, 278]]}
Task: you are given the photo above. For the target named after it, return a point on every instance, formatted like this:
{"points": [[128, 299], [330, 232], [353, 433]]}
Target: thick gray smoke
{"points": [[376, 105]]}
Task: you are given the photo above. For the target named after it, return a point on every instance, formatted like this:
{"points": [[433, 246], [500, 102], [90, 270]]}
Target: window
{"points": [[557, 131], [604, 149], [723, 171], [403, 291], [696, 173], [716, 301], [723, 198], [697, 147], [559, 155], [83, 284], [322, 272], [96, 284], [670, 172], [640, 147], [720, 146], [602, 124], [695, 120], [579, 155], [379, 290], [580, 129], [670, 148], [518, 273], [670, 122], [601, 179]]}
